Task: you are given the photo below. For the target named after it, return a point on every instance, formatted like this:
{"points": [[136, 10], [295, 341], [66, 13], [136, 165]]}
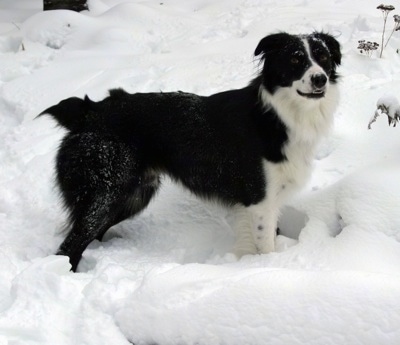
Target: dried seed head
{"points": [[367, 46], [385, 8]]}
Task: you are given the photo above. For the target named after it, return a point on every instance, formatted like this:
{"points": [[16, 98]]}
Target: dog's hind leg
{"points": [[97, 214], [102, 183], [90, 219]]}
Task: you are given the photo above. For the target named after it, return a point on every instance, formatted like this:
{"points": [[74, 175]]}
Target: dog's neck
{"points": [[307, 120]]}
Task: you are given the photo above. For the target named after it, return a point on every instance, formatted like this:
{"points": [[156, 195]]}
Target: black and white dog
{"points": [[248, 148]]}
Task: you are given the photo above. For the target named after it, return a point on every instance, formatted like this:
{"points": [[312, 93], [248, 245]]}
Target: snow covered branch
{"points": [[388, 105]]}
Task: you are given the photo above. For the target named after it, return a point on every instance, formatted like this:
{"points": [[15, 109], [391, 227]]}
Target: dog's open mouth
{"points": [[315, 94]]}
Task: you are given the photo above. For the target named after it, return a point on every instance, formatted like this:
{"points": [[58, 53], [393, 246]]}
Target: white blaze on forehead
{"points": [[314, 64]]}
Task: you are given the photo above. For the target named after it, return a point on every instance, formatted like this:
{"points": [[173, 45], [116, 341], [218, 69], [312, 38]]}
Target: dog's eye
{"points": [[323, 58], [294, 60]]}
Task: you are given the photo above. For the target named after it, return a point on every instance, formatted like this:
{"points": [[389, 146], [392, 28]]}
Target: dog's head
{"points": [[304, 63]]}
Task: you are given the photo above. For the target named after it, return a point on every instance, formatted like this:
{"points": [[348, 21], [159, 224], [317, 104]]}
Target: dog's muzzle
{"points": [[318, 84]]}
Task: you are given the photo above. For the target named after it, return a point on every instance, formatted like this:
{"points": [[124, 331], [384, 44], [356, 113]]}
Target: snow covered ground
{"points": [[167, 276]]}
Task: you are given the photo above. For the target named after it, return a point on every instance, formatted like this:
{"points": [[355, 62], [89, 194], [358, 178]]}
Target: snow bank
{"points": [[258, 306], [167, 276]]}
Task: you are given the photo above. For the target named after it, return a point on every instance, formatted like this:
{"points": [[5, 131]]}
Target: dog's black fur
{"points": [[109, 163]]}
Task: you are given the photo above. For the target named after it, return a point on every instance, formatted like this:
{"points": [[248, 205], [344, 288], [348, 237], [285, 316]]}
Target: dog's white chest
{"points": [[286, 177], [306, 125]]}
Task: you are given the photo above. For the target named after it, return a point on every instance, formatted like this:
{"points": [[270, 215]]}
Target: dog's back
{"points": [[110, 161]]}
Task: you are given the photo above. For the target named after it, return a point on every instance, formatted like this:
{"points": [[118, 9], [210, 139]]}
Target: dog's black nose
{"points": [[319, 80]]}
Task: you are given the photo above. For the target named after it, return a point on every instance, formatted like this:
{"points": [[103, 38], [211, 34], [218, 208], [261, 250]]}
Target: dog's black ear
{"points": [[271, 43], [332, 44]]}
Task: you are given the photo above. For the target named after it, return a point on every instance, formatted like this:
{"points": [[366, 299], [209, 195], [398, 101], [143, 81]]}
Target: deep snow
{"points": [[167, 276]]}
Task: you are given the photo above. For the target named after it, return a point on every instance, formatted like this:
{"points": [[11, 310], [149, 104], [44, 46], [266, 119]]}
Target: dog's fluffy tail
{"points": [[71, 113]]}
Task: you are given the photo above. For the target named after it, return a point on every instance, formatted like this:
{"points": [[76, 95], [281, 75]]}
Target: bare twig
{"points": [[22, 43], [396, 27], [385, 11]]}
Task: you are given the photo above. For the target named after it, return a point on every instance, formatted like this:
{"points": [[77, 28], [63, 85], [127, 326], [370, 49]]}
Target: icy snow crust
{"points": [[167, 276]]}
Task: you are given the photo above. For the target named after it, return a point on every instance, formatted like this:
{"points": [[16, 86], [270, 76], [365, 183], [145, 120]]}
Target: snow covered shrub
{"points": [[388, 105], [367, 47]]}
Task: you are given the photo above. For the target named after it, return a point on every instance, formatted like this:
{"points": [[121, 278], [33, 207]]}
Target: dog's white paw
{"points": [[241, 250], [267, 247]]}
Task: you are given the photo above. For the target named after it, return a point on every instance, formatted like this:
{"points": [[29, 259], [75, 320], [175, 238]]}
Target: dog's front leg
{"points": [[244, 224], [265, 221]]}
